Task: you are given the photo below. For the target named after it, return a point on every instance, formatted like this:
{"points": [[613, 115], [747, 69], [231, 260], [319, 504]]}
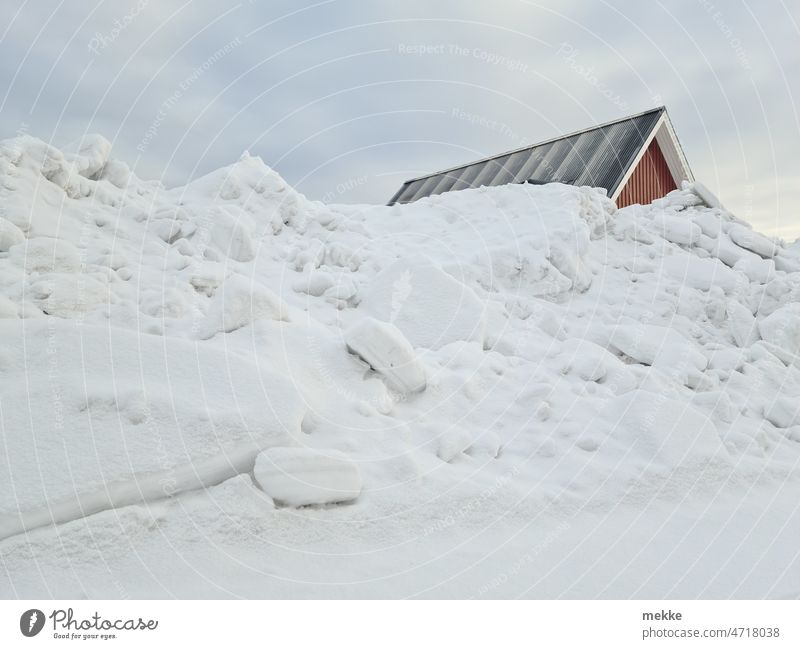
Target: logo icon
{"points": [[31, 622]]}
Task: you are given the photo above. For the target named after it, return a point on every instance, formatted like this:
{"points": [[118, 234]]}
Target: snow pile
{"points": [[454, 367]]}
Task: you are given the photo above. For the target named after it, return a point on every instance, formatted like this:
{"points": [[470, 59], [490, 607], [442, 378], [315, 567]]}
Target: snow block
{"points": [[757, 270], [314, 283], [92, 155], [388, 352], [782, 329], [453, 443], [705, 194], [676, 229], [746, 238], [742, 324], [239, 302], [591, 362], [10, 235], [653, 345], [702, 274], [303, 476], [664, 431], [428, 305], [783, 412], [232, 237]]}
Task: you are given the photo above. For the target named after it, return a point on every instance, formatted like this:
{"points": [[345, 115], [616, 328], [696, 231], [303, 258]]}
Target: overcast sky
{"points": [[346, 99]]}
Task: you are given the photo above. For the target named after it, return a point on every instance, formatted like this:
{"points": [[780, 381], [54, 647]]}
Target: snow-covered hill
{"points": [[228, 389]]}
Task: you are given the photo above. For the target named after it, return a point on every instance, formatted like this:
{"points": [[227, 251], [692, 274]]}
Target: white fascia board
{"points": [[664, 134], [673, 153]]}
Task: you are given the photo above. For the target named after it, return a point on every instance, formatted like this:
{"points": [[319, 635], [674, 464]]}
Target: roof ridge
{"points": [[536, 144]]}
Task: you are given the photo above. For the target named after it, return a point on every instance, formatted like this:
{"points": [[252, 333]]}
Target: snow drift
{"points": [[401, 360]]}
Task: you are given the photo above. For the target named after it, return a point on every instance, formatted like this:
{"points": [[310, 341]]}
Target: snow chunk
{"points": [[757, 269], [10, 235], [388, 352], [677, 229], [782, 329], [232, 236], [429, 306], [783, 412], [592, 362], [701, 274], [237, 303], [92, 155], [453, 443], [303, 476], [742, 324], [208, 278], [746, 238], [709, 222], [117, 173], [663, 348], [649, 343], [314, 282], [664, 431], [705, 195]]}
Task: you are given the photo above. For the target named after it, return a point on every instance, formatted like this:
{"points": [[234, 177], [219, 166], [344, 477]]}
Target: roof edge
{"points": [[534, 145]]}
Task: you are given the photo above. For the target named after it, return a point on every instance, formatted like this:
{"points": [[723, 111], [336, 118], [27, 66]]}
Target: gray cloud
{"points": [[331, 95]]}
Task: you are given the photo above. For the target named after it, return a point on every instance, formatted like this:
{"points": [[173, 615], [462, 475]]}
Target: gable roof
{"points": [[600, 156]]}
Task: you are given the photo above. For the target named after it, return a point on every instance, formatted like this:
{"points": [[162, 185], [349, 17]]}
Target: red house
{"points": [[635, 159]]}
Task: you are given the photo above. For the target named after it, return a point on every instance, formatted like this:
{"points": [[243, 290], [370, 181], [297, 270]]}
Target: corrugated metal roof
{"points": [[598, 156]]}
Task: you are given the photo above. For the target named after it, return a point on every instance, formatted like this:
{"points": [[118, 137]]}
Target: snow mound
{"points": [[517, 350], [101, 403], [302, 476]]}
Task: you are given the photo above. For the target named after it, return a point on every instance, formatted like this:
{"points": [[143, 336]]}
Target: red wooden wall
{"points": [[650, 180]]}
